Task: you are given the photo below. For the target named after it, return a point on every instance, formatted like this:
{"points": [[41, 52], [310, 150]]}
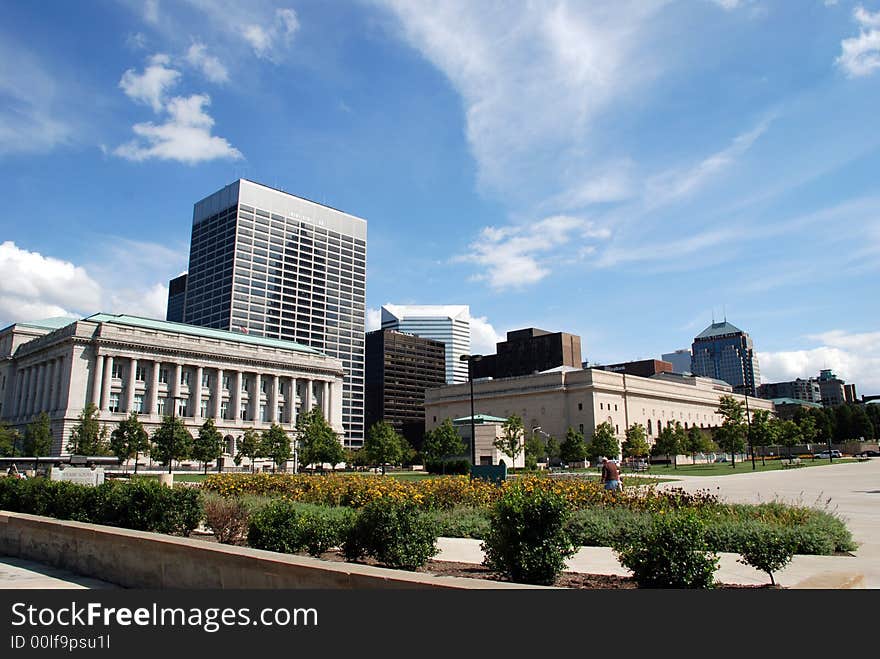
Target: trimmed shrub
{"points": [[767, 550], [528, 541], [601, 527], [290, 528], [672, 553], [395, 533]]}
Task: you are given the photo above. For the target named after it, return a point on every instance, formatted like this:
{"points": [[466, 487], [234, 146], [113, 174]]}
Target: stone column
{"points": [[55, 386], [64, 383], [218, 393], [130, 387], [197, 392], [19, 392], [97, 375], [307, 398], [175, 385], [38, 388], [291, 402], [236, 396], [43, 402], [153, 398], [328, 405], [273, 401], [257, 398], [107, 381]]}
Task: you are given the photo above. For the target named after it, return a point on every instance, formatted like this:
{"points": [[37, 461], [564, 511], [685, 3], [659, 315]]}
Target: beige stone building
{"points": [[583, 398], [125, 363]]}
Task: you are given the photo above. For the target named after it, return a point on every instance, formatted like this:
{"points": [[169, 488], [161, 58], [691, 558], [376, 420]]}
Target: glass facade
{"points": [[726, 353], [271, 264]]}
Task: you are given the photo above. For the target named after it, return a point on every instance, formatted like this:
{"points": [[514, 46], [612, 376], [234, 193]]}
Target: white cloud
{"points": [[185, 136], [860, 55], [151, 11], [210, 66], [30, 118], [855, 357], [534, 77], [483, 336], [266, 39], [151, 86], [373, 320], [728, 4], [516, 256], [34, 286]]}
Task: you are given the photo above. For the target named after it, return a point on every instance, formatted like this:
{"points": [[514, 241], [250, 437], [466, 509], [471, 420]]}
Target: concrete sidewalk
{"points": [[850, 490], [19, 574]]}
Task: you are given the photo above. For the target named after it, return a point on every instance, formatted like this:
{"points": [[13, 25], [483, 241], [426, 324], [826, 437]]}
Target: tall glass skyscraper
{"points": [[724, 352], [449, 324], [265, 262]]}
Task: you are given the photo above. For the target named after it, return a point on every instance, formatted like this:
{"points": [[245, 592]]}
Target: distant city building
{"points": [[267, 263], [644, 368], [156, 368], [399, 368], [680, 360], [176, 299], [787, 408], [449, 324], [582, 399], [528, 351], [805, 390], [834, 391], [488, 430], [725, 352]]}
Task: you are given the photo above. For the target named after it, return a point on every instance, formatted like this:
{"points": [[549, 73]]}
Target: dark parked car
{"points": [[869, 454]]}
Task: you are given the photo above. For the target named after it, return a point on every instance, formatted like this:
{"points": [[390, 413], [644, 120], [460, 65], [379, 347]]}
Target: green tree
{"points": [[636, 443], [442, 443], [318, 441], [789, 434], [809, 431], [861, 425], [208, 444], [384, 445], [88, 436], [668, 444], [603, 443], [38, 438], [573, 448], [249, 446], [129, 440], [534, 451], [695, 442], [511, 440], [171, 441], [9, 440], [552, 449], [276, 445], [731, 436], [763, 431]]}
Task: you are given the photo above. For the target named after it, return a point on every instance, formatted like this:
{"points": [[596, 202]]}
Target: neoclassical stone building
{"points": [[583, 398], [125, 363]]}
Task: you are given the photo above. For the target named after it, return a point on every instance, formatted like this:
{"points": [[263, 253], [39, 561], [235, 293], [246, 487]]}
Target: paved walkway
{"points": [[851, 490], [17, 573]]}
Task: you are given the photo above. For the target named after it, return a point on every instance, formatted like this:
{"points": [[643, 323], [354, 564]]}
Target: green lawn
{"points": [[725, 468]]}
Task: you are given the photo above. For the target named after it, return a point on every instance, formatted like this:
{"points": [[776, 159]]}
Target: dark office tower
{"points": [[530, 350], [399, 368], [725, 352], [265, 262], [176, 298]]}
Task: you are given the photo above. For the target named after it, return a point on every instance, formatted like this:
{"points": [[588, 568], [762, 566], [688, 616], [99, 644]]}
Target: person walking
{"points": [[610, 475]]}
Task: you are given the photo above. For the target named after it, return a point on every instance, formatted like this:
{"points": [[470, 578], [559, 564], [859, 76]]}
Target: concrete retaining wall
{"points": [[137, 559]]}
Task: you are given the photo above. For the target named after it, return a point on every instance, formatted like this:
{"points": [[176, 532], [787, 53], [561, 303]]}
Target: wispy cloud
{"points": [[32, 119], [860, 55], [212, 68], [152, 85], [266, 39], [516, 256]]}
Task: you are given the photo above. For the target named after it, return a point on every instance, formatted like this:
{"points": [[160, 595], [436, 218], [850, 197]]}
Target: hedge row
{"points": [[142, 505]]}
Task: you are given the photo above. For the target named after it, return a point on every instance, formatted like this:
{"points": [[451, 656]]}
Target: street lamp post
{"points": [[749, 432], [470, 359]]}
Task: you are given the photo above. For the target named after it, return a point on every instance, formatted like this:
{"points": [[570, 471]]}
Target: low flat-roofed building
{"points": [[644, 368], [582, 399], [126, 364]]}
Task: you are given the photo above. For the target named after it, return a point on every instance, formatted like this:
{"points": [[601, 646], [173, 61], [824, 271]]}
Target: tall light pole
{"points": [[470, 359], [749, 431]]}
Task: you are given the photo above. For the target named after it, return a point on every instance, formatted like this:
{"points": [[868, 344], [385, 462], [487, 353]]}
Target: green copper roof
{"points": [[794, 401], [480, 418], [49, 323], [193, 330]]}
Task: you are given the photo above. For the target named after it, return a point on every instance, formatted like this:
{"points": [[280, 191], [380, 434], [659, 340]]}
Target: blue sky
{"points": [[618, 169]]}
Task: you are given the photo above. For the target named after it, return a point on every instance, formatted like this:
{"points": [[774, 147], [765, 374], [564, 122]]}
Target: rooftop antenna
{"points": [[724, 308], [713, 315]]}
